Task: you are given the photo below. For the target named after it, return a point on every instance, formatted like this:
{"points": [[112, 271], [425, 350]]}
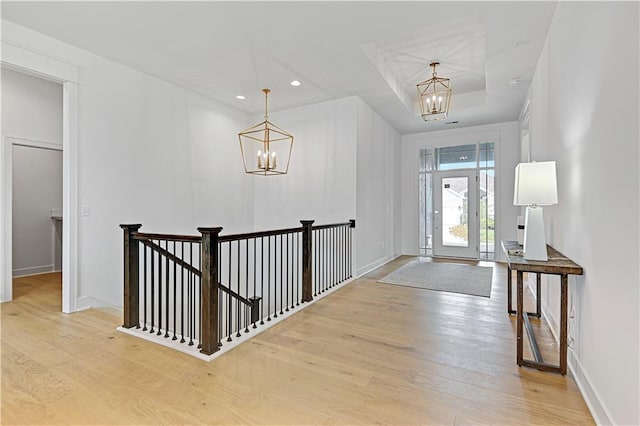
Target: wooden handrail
{"points": [[168, 237], [191, 268], [258, 234], [335, 225], [171, 256], [234, 294]]}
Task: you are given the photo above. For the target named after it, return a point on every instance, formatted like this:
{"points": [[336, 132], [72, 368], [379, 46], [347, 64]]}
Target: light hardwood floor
{"points": [[368, 353]]}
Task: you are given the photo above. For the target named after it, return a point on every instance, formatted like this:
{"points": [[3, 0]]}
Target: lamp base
{"points": [[535, 244]]}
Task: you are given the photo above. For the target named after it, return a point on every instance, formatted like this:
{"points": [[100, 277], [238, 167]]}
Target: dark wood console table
{"points": [[558, 264]]}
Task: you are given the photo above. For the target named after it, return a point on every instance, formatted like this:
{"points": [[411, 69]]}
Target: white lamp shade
{"points": [[535, 184]]}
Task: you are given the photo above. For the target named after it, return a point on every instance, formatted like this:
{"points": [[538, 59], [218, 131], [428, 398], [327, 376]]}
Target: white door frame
{"points": [[42, 66], [439, 249]]}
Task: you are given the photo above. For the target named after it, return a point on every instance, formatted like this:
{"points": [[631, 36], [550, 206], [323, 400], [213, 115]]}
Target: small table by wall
{"points": [[558, 264]]}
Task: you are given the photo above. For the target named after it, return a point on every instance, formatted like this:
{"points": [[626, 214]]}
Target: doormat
{"points": [[450, 277]]}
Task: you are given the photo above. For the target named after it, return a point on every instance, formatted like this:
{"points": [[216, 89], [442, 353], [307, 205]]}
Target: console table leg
{"points": [[563, 323], [538, 295], [509, 290], [519, 313]]}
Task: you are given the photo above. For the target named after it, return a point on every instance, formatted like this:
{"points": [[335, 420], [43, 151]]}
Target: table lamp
{"points": [[535, 186]]}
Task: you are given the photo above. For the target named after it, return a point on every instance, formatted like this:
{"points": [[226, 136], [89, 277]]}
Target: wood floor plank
{"points": [[369, 353]]}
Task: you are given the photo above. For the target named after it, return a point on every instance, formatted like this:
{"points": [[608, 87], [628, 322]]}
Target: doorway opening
{"points": [[36, 206], [457, 201], [32, 139]]}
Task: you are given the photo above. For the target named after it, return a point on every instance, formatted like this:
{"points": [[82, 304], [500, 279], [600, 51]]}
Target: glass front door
{"points": [[455, 217]]}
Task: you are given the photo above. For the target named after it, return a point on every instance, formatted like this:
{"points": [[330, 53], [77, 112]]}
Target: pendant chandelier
{"points": [[262, 144], [434, 95]]}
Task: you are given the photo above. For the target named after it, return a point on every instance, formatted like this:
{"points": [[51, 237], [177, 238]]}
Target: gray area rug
{"points": [[451, 277]]}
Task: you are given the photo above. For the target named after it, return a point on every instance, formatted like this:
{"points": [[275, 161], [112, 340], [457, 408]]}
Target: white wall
{"points": [[507, 153], [32, 113], [584, 115], [321, 182], [150, 153], [156, 154], [377, 210], [343, 166], [31, 108]]}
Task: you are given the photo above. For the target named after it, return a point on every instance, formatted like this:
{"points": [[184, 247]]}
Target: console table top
{"points": [[558, 263]]}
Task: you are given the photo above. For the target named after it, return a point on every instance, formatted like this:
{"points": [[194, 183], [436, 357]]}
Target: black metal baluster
{"points": [[332, 257], [350, 254], [298, 268], [198, 295], [293, 259], [175, 282], [316, 262], [238, 300], [262, 280], [182, 304], [287, 283], [220, 296], [281, 278], [275, 276], [255, 266], [153, 282], [339, 248], [269, 278], [144, 289], [166, 285], [229, 313], [191, 313], [339, 254], [344, 253], [159, 291], [246, 283], [220, 299], [326, 260]]}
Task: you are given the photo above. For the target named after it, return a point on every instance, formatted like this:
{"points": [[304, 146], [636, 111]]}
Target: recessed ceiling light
{"points": [[451, 122], [295, 83], [514, 82], [241, 97]]}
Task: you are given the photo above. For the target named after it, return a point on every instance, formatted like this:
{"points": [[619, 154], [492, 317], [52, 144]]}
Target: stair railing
{"points": [[210, 288]]}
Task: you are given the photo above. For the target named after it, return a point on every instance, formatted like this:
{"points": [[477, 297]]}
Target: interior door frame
{"points": [[30, 62], [472, 251]]}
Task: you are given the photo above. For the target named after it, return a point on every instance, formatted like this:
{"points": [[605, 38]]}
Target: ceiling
{"points": [[375, 50]]}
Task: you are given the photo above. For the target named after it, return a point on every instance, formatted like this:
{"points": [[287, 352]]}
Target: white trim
{"points": [[86, 302], [596, 406], [28, 61], [6, 236], [594, 402], [375, 265], [33, 270], [70, 197], [32, 143]]}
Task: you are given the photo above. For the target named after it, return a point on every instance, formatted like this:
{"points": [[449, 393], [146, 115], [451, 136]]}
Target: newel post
{"points": [[131, 282], [209, 290], [307, 260]]}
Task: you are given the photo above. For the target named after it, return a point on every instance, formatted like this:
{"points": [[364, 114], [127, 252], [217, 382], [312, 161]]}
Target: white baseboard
{"points": [[591, 397], [375, 265], [33, 270], [598, 410], [86, 302]]}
